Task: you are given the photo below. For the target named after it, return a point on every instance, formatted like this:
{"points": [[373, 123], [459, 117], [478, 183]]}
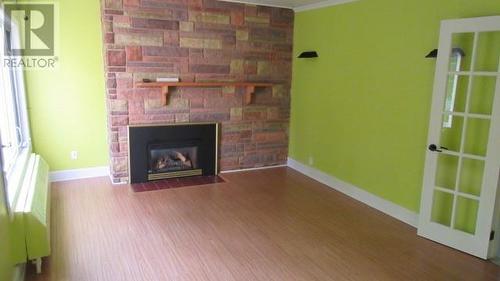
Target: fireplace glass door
{"points": [[169, 160]]}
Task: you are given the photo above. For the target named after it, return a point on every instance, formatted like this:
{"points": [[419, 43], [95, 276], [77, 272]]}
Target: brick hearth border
{"points": [[199, 40]]}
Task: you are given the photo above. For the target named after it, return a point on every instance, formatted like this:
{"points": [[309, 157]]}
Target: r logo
{"points": [[36, 28]]}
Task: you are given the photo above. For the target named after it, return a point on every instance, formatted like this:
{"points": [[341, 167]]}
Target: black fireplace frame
{"points": [[142, 136]]}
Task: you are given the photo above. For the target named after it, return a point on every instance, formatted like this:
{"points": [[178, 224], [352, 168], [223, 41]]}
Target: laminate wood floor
{"points": [[273, 224]]}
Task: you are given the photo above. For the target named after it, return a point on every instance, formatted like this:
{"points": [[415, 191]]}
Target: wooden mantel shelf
{"points": [[249, 86]]}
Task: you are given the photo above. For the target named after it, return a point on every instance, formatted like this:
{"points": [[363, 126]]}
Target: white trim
{"points": [[19, 272], [257, 3], [76, 174], [313, 6], [385, 206], [252, 169], [322, 4]]}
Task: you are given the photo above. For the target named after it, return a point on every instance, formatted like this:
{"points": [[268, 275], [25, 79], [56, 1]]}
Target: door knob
{"points": [[435, 148]]}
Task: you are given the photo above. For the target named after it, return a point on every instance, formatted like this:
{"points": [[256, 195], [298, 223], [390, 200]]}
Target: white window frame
{"points": [[13, 173]]}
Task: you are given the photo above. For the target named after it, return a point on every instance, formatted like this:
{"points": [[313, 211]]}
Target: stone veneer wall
{"points": [[200, 40]]}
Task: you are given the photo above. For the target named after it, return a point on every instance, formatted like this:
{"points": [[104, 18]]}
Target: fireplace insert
{"points": [[169, 151], [167, 160]]}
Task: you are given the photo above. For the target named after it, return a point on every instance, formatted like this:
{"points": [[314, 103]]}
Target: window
{"points": [[451, 88], [14, 131]]}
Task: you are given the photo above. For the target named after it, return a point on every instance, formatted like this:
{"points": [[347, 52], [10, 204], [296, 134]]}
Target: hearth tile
{"points": [[149, 186], [176, 183], [137, 187], [198, 180], [162, 184]]}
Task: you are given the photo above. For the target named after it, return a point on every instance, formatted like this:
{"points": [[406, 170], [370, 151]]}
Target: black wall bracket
{"points": [[434, 53], [308, 55]]}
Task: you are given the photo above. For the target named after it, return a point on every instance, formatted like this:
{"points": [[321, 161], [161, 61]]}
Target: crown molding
{"points": [[321, 4], [318, 5], [257, 3]]}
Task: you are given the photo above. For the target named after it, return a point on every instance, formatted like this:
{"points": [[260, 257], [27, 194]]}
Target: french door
{"points": [[463, 157]]}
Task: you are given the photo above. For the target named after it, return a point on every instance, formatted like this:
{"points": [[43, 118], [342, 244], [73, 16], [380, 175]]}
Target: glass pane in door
{"points": [[476, 137], [488, 51], [462, 43], [466, 214], [471, 176], [451, 132], [456, 92], [446, 173], [482, 93], [442, 207]]}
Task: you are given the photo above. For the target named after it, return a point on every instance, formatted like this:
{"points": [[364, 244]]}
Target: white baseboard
{"points": [[385, 206], [19, 272], [252, 169], [76, 174]]}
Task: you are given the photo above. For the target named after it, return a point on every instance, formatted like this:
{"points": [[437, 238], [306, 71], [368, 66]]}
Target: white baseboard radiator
{"points": [[32, 211]]}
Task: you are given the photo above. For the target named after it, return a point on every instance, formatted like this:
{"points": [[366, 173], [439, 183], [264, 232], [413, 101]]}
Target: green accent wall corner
{"points": [[361, 109], [6, 264], [67, 105]]}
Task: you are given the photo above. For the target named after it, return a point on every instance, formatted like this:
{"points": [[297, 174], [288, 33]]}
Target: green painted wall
{"points": [[361, 110], [67, 106], [6, 265]]}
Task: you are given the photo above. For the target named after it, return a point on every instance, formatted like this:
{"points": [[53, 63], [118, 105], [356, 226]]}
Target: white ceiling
{"points": [[297, 5]]}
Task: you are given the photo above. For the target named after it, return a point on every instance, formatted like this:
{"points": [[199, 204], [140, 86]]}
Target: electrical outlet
{"points": [[74, 155], [311, 161]]}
